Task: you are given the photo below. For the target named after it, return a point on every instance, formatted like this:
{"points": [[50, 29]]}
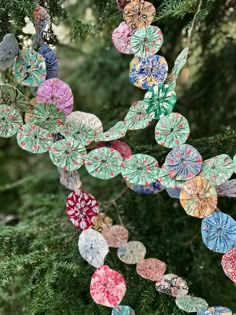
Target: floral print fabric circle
{"points": [[173, 285], [93, 247], [198, 197], [151, 269], [41, 18], [119, 146], [219, 232], [104, 163], [79, 131], [107, 287], [172, 130], [216, 310], [29, 68], [10, 121], [123, 310], [146, 41], [139, 13], [218, 169], [121, 38], [140, 169], [68, 154], [137, 117], [183, 162], [160, 100], [191, 304], [82, 209], [9, 49], [33, 139], [151, 189], [116, 235], [131, 252], [228, 263], [56, 92], [147, 72]]}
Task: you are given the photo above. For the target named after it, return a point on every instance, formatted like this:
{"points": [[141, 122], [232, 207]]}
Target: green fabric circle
{"points": [[104, 163], [140, 169], [167, 181], [68, 154], [217, 169], [191, 304], [146, 41], [161, 100], [33, 139], [79, 131], [234, 163], [116, 132], [172, 130], [10, 121], [11, 96], [137, 117], [48, 116]]}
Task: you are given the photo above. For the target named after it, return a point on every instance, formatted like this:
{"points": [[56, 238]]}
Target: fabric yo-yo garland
{"points": [[52, 126]]}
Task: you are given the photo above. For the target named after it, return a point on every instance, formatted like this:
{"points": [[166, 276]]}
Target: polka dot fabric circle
{"points": [[234, 163], [151, 189], [146, 41], [172, 130], [56, 92], [147, 72], [183, 162], [137, 117], [123, 310], [116, 235], [151, 269], [173, 285], [29, 68], [139, 13], [228, 263], [119, 146], [191, 304], [198, 197], [82, 209], [10, 121], [68, 154], [132, 252], [140, 169], [116, 132], [79, 131], [216, 310], [104, 163], [217, 169], [33, 139], [121, 38], [160, 101], [107, 287], [219, 232], [167, 181]]}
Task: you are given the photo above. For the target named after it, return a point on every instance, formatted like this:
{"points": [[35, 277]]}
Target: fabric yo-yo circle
{"points": [[104, 163], [71, 180], [191, 304], [172, 130], [146, 41], [79, 131], [137, 117], [68, 154], [57, 92], [50, 59], [227, 189], [33, 139], [217, 169], [139, 13], [87, 119], [173, 192], [122, 310], [29, 68], [102, 222], [183, 162], [180, 62], [93, 247], [9, 49], [107, 287], [10, 121], [121, 38], [198, 197], [119, 146], [116, 132], [167, 181], [122, 3], [216, 310], [11, 96], [151, 268], [152, 189], [116, 235], [234, 163], [140, 169], [173, 285], [160, 100], [147, 72], [228, 263], [47, 116], [219, 232], [131, 252], [41, 18], [82, 209]]}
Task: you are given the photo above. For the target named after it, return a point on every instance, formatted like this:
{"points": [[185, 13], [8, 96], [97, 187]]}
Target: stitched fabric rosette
{"points": [[121, 38], [10, 121], [9, 49]]}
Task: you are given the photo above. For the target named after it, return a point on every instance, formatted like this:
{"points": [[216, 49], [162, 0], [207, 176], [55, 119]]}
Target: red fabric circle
{"points": [[119, 146], [228, 263]]}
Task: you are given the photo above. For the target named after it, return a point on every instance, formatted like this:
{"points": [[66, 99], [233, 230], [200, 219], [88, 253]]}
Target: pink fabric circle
{"points": [[121, 38], [57, 92], [119, 146]]}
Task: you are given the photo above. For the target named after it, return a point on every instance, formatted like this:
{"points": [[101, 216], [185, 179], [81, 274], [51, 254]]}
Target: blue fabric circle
{"points": [[173, 192], [122, 310], [216, 310], [151, 189], [50, 59], [219, 232]]}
